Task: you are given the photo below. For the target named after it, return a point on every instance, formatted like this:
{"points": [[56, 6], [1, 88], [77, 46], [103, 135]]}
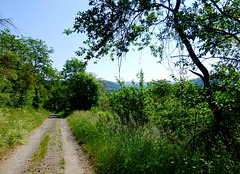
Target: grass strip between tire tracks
{"points": [[39, 155]]}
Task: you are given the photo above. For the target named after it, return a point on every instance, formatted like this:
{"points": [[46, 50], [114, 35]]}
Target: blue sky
{"points": [[47, 19]]}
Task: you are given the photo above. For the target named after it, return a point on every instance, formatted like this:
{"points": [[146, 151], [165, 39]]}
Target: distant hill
{"points": [[198, 81], [110, 86], [115, 86], [136, 83]]}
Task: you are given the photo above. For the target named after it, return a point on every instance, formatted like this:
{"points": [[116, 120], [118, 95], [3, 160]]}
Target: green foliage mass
{"points": [[75, 90], [28, 79], [205, 117], [129, 102], [175, 117], [84, 91], [210, 26], [72, 67], [25, 70]]}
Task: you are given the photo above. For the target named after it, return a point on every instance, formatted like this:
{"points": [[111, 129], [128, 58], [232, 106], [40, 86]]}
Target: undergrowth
{"points": [[117, 148], [16, 124]]}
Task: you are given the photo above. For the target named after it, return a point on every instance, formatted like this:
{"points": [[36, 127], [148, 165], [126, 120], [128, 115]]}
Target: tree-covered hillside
{"points": [[110, 86]]}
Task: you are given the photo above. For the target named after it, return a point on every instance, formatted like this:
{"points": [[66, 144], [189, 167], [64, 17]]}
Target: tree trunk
{"points": [[205, 77], [219, 127], [36, 99]]}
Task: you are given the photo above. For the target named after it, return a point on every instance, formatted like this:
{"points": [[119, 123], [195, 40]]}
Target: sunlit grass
{"points": [[116, 148], [16, 124]]}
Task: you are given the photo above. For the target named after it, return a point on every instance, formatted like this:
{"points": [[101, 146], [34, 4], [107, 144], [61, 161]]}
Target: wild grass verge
{"points": [[116, 148], [16, 124]]}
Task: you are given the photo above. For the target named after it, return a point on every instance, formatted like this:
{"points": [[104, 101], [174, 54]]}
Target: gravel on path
{"points": [[64, 155]]}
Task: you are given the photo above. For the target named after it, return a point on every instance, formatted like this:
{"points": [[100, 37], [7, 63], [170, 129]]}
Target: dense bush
{"points": [[74, 89], [84, 91], [129, 102], [181, 113]]}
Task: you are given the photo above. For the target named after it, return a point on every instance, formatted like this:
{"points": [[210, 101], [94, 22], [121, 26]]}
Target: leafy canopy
{"points": [[73, 66], [25, 65], [112, 26]]}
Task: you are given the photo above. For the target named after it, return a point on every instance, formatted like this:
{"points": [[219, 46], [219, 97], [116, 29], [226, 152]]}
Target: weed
{"points": [[62, 163], [43, 147]]}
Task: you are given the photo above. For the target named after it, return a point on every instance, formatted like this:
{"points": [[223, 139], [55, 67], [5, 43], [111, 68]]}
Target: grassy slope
{"points": [[119, 149], [16, 124], [115, 148]]}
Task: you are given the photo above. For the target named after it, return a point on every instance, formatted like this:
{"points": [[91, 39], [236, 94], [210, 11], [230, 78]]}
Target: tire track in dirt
{"points": [[76, 162], [63, 155]]}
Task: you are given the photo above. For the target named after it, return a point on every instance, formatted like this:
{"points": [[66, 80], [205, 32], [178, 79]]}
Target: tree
{"points": [[130, 101], [84, 91], [19, 77], [220, 22], [59, 96], [112, 26], [75, 89], [72, 67], [212, 26], [38, 55], [25, 62]]}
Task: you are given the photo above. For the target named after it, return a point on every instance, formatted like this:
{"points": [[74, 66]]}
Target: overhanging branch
{"points": [[198, 74], [224, 13]]}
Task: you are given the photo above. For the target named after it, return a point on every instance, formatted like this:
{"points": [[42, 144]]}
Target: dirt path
{"points": [[50, 149]]}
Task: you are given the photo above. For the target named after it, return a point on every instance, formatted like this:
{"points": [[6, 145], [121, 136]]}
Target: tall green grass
{"points": [[116, 148], [16, 124]]}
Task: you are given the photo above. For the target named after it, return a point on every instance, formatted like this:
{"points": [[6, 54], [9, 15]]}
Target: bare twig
{"points": [[6, 22]]}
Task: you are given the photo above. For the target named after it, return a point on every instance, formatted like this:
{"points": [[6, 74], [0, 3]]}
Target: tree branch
{"points": [[195, 59], [226, 58], [199, 135], [198, 74], [152, 6], [6, 21], [224, 33], [161, 5], [224, 13]]}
